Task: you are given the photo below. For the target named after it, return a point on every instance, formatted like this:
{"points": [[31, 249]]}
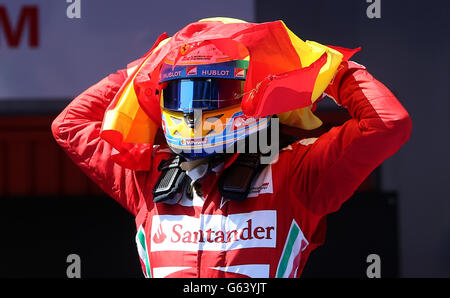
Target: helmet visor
{"points": [[185, 95]]}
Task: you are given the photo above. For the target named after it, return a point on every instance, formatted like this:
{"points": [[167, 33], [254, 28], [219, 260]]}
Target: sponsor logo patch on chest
{"points": [[214, 232], [263, 184]]}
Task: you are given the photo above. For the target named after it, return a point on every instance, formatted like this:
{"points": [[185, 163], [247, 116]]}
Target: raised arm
{"points": [[330, 169], [77, 131]]}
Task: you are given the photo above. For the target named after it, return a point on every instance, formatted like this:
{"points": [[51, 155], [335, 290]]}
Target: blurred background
{"points": [[50, 210]]}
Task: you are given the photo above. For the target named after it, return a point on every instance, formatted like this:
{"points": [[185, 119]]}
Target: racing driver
{"points": [[204, 211]]}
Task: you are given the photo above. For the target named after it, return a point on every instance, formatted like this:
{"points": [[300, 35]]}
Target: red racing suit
{"points": [[273, 231]]}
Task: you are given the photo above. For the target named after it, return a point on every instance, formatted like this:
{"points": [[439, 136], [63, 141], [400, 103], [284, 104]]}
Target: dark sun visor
{"points": [[185, 95]]}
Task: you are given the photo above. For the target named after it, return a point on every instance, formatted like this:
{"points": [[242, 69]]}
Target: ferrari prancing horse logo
{"points": [[184, 49]]}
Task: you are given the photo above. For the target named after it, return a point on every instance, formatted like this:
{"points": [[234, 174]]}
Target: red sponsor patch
{"points": [[191, 70], [239, 73]]}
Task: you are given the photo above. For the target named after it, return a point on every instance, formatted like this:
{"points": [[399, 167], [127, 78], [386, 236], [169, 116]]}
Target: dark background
{"points": [[50, 210]]}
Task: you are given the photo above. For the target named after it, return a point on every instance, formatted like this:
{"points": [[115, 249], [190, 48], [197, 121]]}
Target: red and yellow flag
{"points": [[286, 76]]}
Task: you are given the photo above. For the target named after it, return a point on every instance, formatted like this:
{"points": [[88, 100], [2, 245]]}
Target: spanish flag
{"points": [[286, 76]]}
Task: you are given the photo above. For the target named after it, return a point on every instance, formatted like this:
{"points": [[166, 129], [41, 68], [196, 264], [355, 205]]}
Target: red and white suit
{"points": [[273, 231]]}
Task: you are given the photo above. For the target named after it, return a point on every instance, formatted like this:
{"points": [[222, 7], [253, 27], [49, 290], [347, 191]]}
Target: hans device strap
{"points": [[235, 182], [171, 179], [174, 179]]}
